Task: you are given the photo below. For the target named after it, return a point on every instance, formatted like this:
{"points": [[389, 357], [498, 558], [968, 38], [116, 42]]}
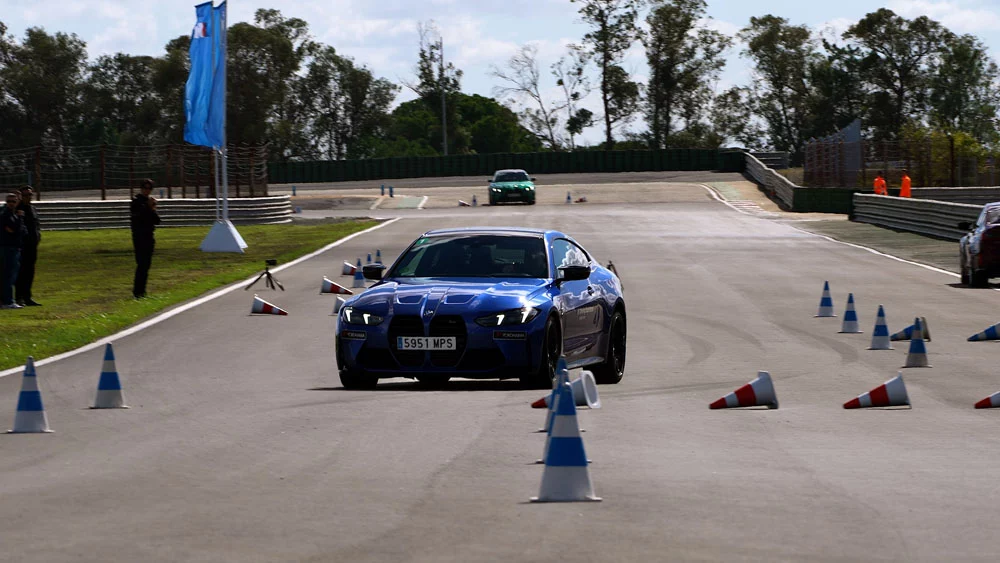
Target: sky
{"points": [[478, 34]]}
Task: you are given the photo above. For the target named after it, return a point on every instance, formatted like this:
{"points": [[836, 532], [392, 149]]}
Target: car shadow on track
{"points": [[959, 285], [457, 385]]}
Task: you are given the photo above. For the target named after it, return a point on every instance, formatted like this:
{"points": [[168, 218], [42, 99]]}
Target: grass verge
{"points": [[911, 246], [84, 280]]}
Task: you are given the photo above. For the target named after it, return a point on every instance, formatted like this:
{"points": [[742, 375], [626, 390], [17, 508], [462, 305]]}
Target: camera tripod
{"points": [[269, 280]]}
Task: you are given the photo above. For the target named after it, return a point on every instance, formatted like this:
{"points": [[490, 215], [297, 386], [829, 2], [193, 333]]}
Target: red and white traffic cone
{"points": [[261, 307], [757, 393], [892, 393]]}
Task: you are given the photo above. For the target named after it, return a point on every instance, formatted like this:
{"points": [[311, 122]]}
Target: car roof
{"points": [[514, 231], [993, 205], [509, 170]]}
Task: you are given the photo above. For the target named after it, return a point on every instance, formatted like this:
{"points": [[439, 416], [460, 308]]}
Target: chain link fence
{"points": [[180, 170]]}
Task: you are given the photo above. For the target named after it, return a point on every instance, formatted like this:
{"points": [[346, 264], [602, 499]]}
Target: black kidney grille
{"points": [[406, 326], [449, 325]]}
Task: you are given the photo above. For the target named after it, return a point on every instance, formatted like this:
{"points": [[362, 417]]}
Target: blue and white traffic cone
{"points": [[474, 202], [850, 324], [359, 280], [391, 192], [562, 376], [569, 198], [30, 415], [109, 387], [383, 190], [826, 302], [907, 333], [369, 259], [378, 256], [991, 333], [917, 355], [880, 334], [566, 477]]}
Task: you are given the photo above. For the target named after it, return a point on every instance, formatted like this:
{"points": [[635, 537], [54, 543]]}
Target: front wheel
{"points": [[357, 380], [979, 278], [551, 351], [966, 278], [612, 369]]}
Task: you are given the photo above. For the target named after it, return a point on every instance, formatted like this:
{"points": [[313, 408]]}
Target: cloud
{"points": [[832, 30], [956, 15]]}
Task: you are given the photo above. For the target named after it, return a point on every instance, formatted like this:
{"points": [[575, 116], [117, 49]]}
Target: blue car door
{"points": [[577, 302]]}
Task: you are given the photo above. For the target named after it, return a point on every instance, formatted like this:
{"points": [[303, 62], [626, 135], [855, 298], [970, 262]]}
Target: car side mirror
{"points": [[373, 271], [574, 273], [965, 226], [533, 180], [489, 180]]}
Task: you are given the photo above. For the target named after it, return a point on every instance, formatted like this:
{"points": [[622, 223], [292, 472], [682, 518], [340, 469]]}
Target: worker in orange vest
{"points": [[879, 184], [904, 186]]}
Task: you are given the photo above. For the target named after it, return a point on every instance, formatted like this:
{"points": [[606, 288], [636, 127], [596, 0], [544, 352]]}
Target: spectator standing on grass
{"points": [[12, 231], [144, 219], [29, 250]]}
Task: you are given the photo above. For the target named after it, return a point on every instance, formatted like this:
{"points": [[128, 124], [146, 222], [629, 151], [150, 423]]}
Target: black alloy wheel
{"points": [[612, 369], [551, 351]]}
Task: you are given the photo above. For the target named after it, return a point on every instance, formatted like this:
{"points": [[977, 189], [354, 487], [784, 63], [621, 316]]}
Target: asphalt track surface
{"points": [[241, 445]]}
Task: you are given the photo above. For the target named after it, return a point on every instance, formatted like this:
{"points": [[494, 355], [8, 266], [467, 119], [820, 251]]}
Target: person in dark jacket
{"points": [[144, 220], [29, 250], [12, 232]]}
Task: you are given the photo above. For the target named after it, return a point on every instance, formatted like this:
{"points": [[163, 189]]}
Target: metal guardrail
{"points": [[975, 196], [114, 214], [928, 217], [775, 183]]}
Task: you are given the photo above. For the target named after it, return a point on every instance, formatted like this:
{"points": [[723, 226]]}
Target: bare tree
{"points": [[569, 74], [522, 82]]}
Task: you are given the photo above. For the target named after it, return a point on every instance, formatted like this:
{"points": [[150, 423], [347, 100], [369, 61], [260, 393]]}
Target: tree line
{"points": [[904, 78]]}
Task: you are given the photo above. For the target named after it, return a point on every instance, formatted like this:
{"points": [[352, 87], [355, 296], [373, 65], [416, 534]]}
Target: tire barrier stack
{"points": [[114, 214]]}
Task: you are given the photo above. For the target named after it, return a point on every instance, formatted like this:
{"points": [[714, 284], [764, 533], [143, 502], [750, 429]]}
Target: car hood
{"points": [[418, 295], [512, 185]]}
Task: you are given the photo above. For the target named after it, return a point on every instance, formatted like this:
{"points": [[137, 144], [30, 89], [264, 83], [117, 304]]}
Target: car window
{"points": [[565, 253], [993, 216], [512, 177], [466, 256]]}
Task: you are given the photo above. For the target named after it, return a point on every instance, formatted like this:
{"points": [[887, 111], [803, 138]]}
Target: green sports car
{"points": [[511, 185]]}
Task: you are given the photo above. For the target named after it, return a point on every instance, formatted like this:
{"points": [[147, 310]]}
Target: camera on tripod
{"points": [[269, 280]]}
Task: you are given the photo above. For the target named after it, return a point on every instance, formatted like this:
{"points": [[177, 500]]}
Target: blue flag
{"points": [[215, 129], [204, 103]]}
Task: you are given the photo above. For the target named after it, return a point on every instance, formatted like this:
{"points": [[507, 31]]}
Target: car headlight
{"points": [[495, 189], [507, 318], [355, 317]]}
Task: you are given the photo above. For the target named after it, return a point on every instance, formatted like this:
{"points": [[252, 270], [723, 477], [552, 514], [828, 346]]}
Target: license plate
{"points": [[425, 343]]}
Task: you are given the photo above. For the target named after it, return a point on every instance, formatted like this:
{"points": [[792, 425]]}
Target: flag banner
{"points": [[215, 128], [200, 105]]}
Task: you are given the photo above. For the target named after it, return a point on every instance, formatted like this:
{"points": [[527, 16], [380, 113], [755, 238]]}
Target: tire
{"points": [[433, 381], [532, 202], [612, 369], [978, 278], [551, 351], [966, 278], [357, 380], [492, 201]]}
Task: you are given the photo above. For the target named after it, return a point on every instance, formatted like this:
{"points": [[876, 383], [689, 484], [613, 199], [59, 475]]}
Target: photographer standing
{"points": [[12, 232], [29, 250], [144, 220]]}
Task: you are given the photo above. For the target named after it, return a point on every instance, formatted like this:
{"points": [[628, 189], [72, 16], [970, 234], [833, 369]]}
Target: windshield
{"points": [[511, 177], [474, 256]]}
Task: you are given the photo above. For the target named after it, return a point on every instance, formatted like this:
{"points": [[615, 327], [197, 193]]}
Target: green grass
{"points": [[84, 280]]}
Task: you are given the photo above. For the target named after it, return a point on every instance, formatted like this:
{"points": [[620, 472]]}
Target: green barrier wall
{"points": [[485, 164]]}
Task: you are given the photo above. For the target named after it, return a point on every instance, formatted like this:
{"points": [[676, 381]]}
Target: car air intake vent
{"points": [[449, 325], [406, 325]]}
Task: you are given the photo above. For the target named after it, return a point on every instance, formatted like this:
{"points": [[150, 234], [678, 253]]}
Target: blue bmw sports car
{"points": [[484, 303]]}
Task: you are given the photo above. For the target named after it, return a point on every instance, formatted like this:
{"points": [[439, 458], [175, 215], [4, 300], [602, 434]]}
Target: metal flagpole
{"points": [[225, 143], [215, 163]]}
